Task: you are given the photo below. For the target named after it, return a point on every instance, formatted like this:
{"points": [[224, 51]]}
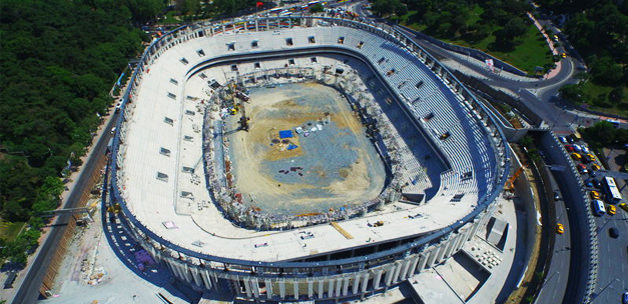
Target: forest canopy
{"points": [[58, 60]]}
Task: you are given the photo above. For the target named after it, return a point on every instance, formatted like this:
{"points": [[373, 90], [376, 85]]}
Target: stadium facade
{"points": [[282, 266]]}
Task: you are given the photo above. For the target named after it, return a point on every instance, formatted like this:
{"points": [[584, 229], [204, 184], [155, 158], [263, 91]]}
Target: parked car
{"points": [[595, 195], [556, 195], [576, 148], [562, 139], [589, 183], [585, 149], [570, 148], [576, 156], [624, 298], [595, 167], [596, 183], [582, 169], [624, 206]]}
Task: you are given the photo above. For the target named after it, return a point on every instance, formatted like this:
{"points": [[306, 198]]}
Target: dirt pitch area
{"points": [[327, 162]]}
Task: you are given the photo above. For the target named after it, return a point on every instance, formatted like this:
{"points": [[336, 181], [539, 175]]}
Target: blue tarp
{"points": [[285, 134], [292, 147]]}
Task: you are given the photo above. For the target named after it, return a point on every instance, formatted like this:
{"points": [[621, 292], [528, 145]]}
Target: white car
{"points": [[585, 149], [562, 139]]}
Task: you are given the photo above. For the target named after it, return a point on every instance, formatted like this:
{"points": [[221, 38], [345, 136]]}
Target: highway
{"points": [[28, 291]]}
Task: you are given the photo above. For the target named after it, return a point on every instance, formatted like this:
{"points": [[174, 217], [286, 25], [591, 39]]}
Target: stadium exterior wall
{"points": [[348, 278]]}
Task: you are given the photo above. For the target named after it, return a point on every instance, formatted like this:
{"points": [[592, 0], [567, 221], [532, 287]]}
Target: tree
{"points": [[605, 71], [572, 93], [616, 95], [317, 8]]}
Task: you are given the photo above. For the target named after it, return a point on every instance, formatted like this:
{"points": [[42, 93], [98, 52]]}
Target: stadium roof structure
{"points": [[157, 137]]}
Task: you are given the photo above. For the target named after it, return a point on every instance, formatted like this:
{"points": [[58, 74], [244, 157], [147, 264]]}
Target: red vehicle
{"points": [[569, 148]]}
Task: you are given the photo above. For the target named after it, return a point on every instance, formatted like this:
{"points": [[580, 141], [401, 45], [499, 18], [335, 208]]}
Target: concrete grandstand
{"points": [[443, 159]]}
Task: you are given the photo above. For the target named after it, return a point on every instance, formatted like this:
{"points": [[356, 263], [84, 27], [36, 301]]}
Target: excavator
{"points": [[239, 107]]}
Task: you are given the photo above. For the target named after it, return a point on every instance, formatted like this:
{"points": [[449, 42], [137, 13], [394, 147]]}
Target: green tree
{"points": [[572, 93], [317, 8]]}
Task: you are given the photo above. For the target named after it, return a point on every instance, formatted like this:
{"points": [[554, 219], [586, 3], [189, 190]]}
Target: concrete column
{"points": [[441, 251], [196, 276], [321, 285], [345, 286], [389, 275], [459, 243], [206, 279], [412, 268], [282, 289], [310, 288], [428, 256], [404, 271], [474, 230], [255, 287], [179, 270], [450, 246], [295, 288], [377, 279], [247, 288], [338, 286], [356, 283], [269, 288], [330, 288], [398, 267], [365, 281]]}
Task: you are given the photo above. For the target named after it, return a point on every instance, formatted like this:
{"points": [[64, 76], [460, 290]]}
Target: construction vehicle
{"points": [[239, 107], [510, 184]]}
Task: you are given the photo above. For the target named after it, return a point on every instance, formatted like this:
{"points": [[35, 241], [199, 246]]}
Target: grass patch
{"points": [[593, 92], [10, 230], [171, 18], [531, 51]]}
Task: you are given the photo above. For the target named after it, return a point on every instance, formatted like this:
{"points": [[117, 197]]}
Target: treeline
{"points": [[599, 31], [195, 9], [457, 19], [58, 60], [604, 134]]}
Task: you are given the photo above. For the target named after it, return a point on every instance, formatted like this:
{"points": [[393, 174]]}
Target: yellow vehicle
{"points": [[595, 195], [560, 229], [563, 55], [624, 206], [555, 37], [576, 156], [611, 210], [595, 167], [591, 157]]}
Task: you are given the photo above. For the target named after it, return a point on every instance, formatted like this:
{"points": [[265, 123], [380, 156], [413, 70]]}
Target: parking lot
{"points": [[611, 222]]}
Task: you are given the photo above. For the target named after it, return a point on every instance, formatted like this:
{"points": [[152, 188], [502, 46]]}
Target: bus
{"points": [[612, 192]]}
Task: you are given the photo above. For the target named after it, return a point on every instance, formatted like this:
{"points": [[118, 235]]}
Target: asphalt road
{"points": [[613, 262], [29, 290], [553, 290], [542, 97]]}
